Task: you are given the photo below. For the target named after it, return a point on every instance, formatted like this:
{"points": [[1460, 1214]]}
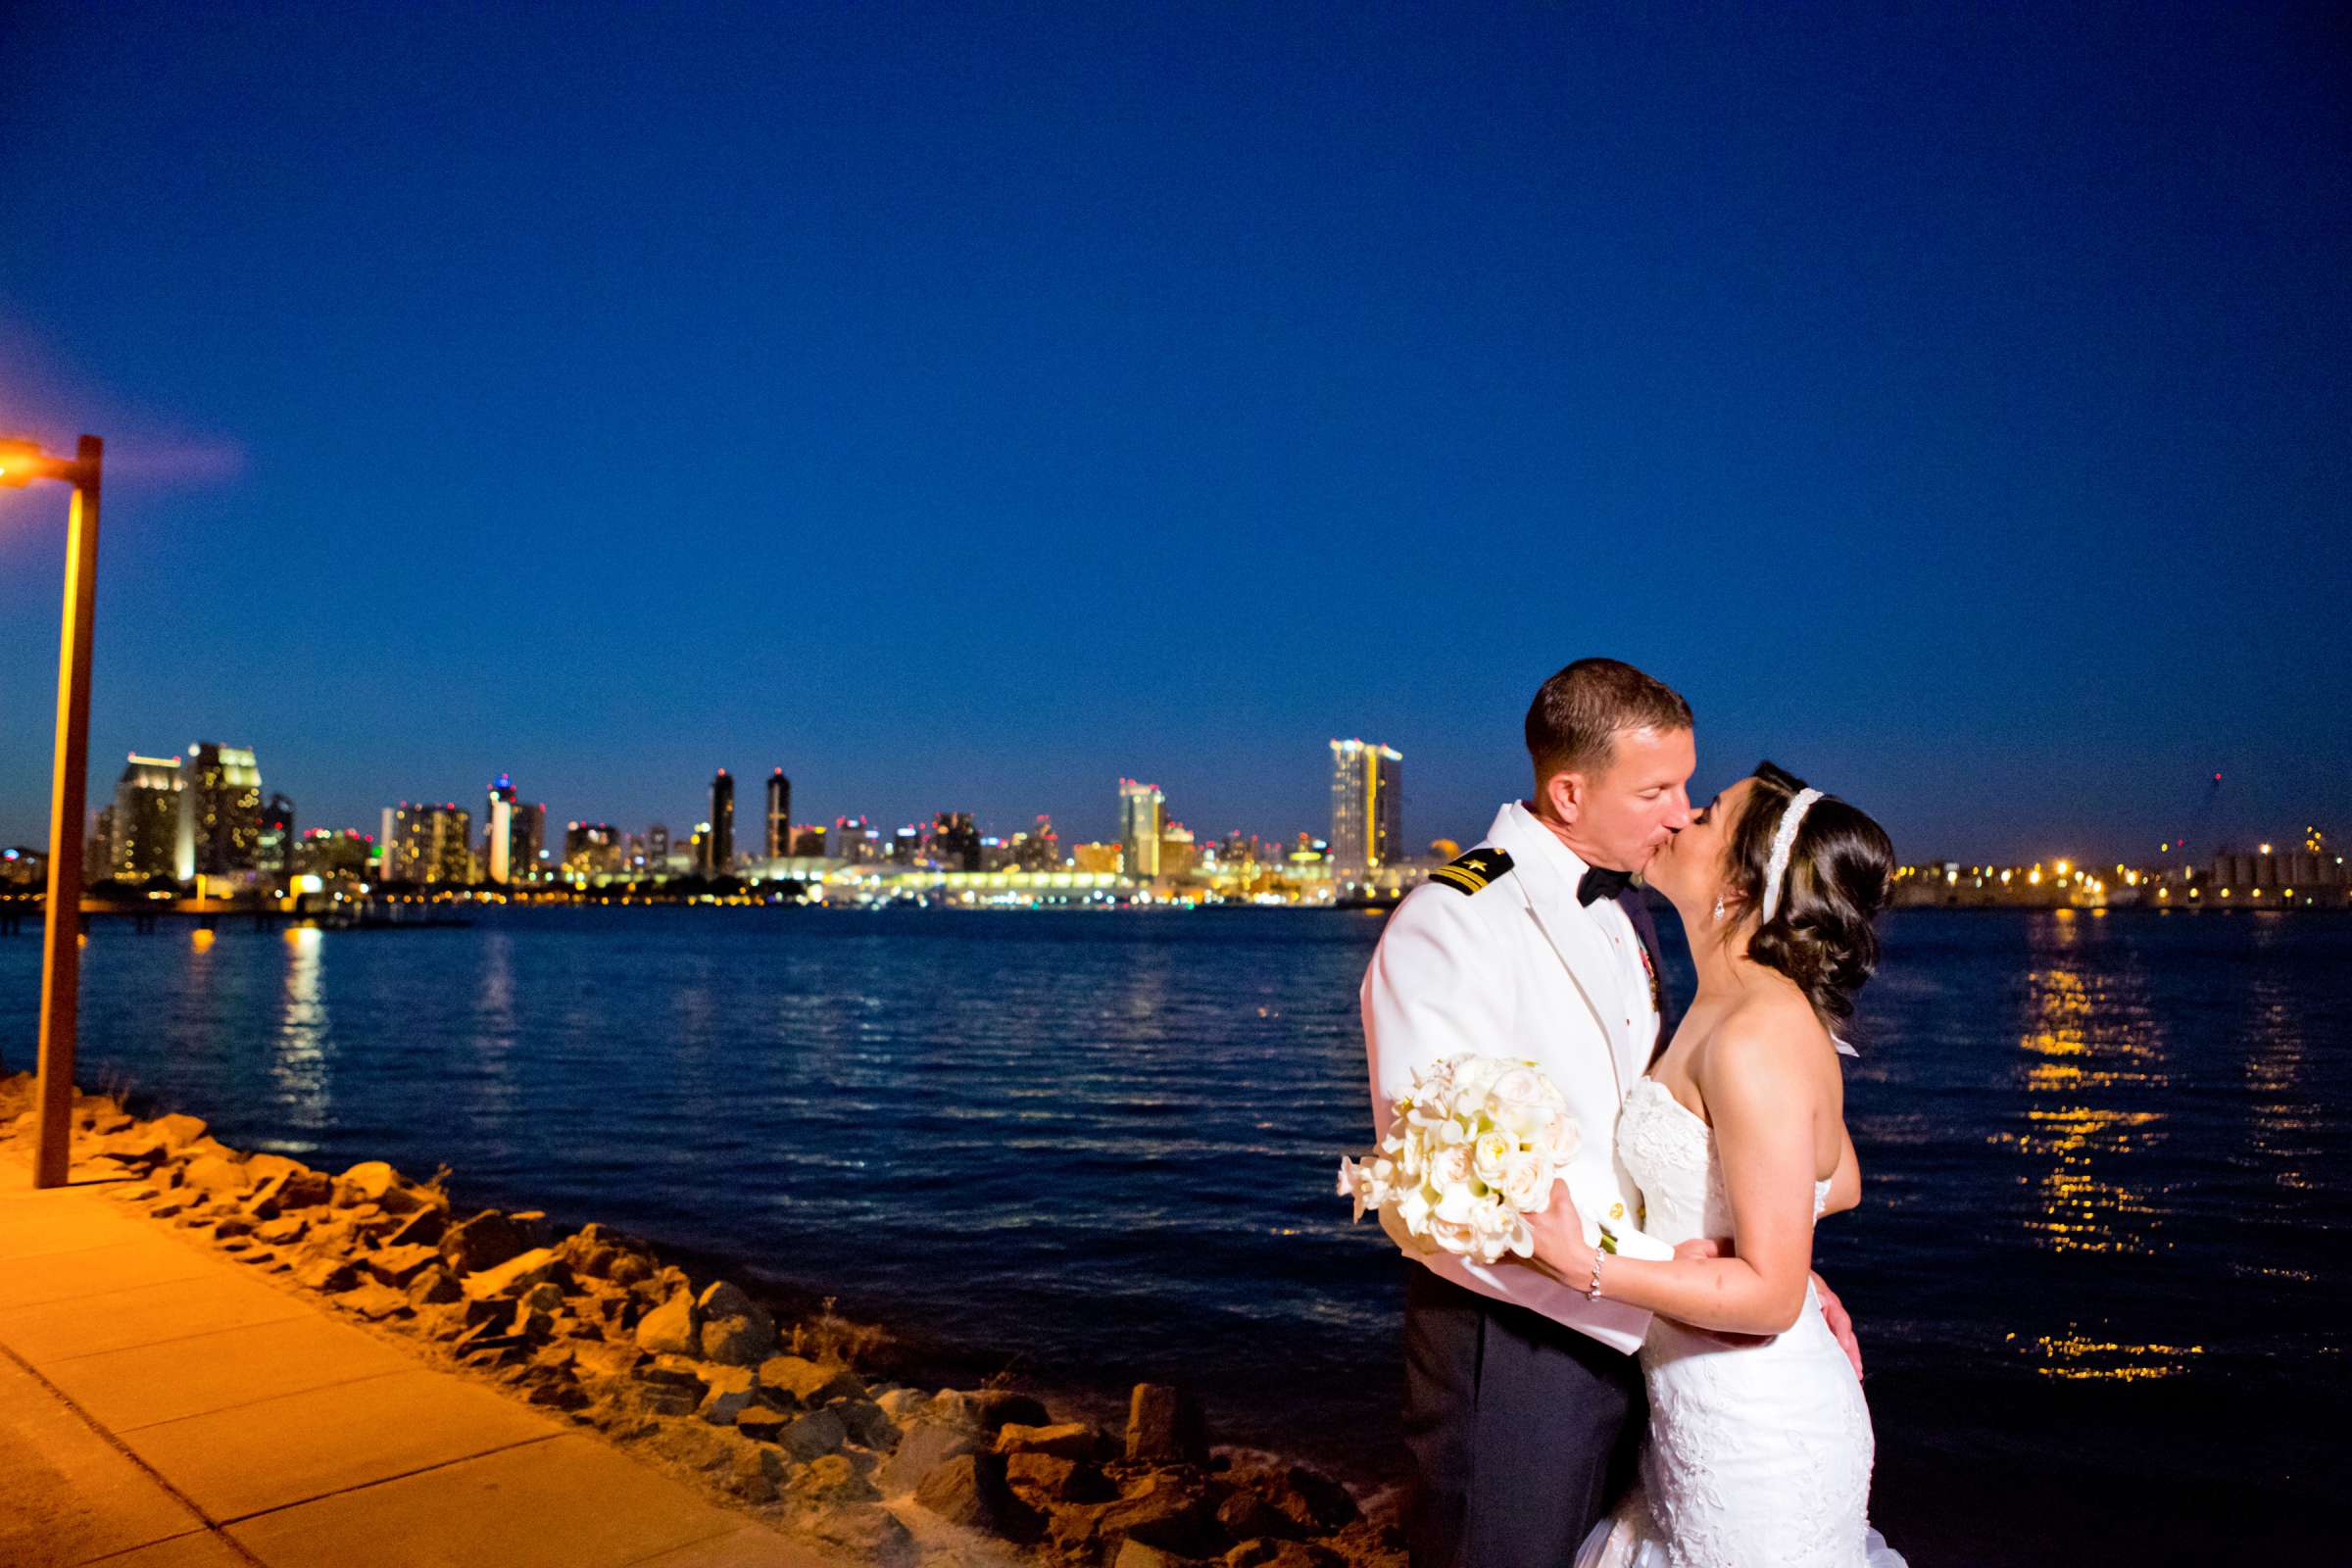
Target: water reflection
{"points": [[2076, 1356], [2092, 1048], [486, 1068], [298, 1065], [2284, 1120]]}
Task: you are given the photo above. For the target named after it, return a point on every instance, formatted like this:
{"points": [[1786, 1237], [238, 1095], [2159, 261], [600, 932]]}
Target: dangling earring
{"points": [[1719, 909]]}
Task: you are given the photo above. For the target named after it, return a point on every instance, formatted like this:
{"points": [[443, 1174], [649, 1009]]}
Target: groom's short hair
{"points": [[1573, 724]]}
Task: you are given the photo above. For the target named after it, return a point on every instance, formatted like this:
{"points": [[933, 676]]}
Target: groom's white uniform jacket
{"points": [[1518, 968]]}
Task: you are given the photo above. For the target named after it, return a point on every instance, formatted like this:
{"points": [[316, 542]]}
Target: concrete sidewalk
{"points": [[163, 1409]]}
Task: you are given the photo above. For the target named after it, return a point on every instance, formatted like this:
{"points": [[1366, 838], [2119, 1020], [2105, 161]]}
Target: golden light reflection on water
{"points": [[299, 1064], [2076, 1357], [2088, 1044], [2276, 1066]]}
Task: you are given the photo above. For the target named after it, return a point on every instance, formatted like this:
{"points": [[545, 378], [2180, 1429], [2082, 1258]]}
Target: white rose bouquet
{"points": [[1474, 1148]]}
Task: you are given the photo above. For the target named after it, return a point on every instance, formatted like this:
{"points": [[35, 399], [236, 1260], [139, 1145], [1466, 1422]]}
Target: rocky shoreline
{"points": [[770, 1416]]}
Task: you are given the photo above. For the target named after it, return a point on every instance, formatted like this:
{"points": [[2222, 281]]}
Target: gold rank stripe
{"points": [[1467, 881]]}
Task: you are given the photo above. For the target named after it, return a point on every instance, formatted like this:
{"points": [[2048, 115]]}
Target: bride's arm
{"points": [[1760, 1098]]}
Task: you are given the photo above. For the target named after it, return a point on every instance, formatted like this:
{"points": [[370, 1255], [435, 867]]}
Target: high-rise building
{"points": [[1176, 849], [657, 848], [146, 827], [720, 846], [429, 842], [273, 849], [955, 842], [779, 816], [1143, 815], [809, 842], [1099, 857], [591, 849], [323, 852], [498, 831], [98, 849], [1038, 850], [220, 810], [1367, 801], [852, 838]]}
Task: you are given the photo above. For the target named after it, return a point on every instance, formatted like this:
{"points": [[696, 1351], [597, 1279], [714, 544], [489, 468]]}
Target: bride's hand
{"points": [[1559, 1231]]}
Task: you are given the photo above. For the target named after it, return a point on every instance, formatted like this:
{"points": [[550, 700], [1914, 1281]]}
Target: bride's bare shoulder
{"points": [[1765, 1036]]}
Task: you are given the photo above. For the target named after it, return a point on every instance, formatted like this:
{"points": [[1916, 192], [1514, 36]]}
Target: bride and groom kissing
{"points": [[1580, 1407]]}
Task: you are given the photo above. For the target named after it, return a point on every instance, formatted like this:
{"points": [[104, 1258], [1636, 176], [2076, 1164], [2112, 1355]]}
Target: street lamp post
{"points": [[22, 463]]}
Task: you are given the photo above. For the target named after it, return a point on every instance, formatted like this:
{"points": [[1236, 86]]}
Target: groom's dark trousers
{"points": [[1520, 1434]]}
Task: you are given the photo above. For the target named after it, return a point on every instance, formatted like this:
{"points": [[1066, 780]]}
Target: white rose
{"points": [[1524, 1180], [1474, 1075], [1562, 1139], [1459, 1240], [1489, 1154], [1519, 1085], [1449, 1167]]}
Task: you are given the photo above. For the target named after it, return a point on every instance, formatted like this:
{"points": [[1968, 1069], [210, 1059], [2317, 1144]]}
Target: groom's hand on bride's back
{"points": [[1841, 1322]]}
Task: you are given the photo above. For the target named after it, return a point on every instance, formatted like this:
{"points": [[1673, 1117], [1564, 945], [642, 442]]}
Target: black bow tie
{"points": [[1600, 884]]}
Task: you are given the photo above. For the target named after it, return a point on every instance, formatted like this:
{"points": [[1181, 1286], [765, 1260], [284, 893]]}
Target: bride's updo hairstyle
{"points": [[1840, 868]]}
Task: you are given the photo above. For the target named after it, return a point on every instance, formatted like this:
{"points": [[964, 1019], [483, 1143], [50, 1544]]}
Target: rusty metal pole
{"points": [[61, 951]]}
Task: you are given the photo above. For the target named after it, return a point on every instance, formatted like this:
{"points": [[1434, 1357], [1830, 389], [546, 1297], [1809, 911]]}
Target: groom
{"points": [[1523, 1401]]}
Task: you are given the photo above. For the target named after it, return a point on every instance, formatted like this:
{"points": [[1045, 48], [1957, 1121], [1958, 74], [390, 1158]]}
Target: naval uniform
{"points": [[1523, 1400]]}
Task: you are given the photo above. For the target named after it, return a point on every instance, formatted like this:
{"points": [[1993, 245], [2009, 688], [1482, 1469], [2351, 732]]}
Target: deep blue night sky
{"points": [[964, 407]]}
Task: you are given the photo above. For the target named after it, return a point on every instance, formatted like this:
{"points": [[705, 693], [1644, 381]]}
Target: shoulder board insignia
{"points": [[1469, 873]]}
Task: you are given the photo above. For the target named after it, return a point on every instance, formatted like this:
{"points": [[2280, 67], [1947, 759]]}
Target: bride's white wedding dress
{"points": [[1757, 1453]]}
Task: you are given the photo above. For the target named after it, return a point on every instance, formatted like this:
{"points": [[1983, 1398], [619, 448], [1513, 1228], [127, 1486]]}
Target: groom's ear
{"points": [[1564, 794]]}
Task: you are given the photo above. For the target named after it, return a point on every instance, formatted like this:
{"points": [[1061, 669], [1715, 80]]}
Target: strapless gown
{"points": [[1757, 1453]]}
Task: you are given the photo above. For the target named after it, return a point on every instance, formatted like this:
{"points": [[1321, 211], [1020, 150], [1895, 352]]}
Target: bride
{"points": [[1759, 1448]]}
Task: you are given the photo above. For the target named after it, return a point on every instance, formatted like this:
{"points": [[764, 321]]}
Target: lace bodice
{"points": [[1759, 1450], [1671, 1155]]}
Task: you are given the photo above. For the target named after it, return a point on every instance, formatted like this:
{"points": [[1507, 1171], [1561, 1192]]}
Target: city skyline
{"points": [[1360, 789], [1079, 394]]}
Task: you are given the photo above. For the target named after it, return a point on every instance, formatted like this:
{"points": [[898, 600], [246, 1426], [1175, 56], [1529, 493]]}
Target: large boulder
{"points": [[970, 1489], [808, 1382], [397, 1265], [507, 1280], [179, 1131], [1070, 1439], [863, 1533], [736, 1331], [728, 1391], [764, 1423], [901, 1405], [671, 1328], [813, 1436], [486, 1239], [1165, 1426], [1044, 1478], [214, 1176], [326, 1271], [290, 1190], [832, 1479], [923, 1446], [263, 1169], [1169, 1509], [1134, 1553], [868, 1427], [1313, 1502]]}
